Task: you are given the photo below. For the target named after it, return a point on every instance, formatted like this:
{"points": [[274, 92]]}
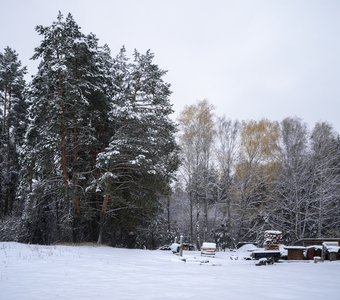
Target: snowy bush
{"points": [[11, 229]]}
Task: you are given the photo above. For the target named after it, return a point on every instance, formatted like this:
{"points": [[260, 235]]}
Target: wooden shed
{"points": [[331, 250], [295, 252], [312, 251], [334, 254]]}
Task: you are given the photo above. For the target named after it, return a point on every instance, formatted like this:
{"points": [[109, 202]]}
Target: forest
{"points": [[240, 178], [89, 152]]}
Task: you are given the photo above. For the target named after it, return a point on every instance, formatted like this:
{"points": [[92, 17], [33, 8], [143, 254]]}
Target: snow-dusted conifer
{"points": [[142, 154], [13, 122], [67, 99]]}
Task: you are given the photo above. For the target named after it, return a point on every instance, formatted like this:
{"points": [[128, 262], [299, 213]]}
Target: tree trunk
{"points": [[191, 217], [63, 151], [76, 198], [100, 233], [5, 172], [168, 208], [198, 238], [102, 218], [63, 148]]}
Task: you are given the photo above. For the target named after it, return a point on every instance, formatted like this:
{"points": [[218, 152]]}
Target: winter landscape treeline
{"points": [[89, 153], [238, 179]]}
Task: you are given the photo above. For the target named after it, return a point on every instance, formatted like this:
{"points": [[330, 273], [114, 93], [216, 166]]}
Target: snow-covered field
{"points": [[90, 272]]}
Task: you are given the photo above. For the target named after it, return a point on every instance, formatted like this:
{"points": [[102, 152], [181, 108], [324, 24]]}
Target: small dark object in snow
{"points": [[234, 257], [165, 247]]}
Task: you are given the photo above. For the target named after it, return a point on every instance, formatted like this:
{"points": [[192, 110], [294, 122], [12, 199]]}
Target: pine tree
{"points": [[141, 157], [13, 123], [68, 101]]}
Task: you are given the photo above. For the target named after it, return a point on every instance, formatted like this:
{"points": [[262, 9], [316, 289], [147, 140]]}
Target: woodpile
{"points": [[272, 239]]}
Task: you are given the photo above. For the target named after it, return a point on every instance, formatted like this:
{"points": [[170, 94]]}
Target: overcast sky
{"points": [[251, 59]]}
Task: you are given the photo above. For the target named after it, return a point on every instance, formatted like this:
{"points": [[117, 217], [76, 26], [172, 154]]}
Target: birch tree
{"points": [[255, 173], [326, 169], [294, 185], [227, 153], [196, 141]]}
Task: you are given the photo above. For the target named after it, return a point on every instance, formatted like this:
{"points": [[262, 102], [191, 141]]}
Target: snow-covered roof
{"points": [[273, 232], [295, 248], [333, 249], [247, 247], [209, 245], [314, 247], [330, 244], [266, 251]]}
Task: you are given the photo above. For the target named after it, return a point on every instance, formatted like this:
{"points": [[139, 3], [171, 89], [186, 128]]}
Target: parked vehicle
{"points": [[208, 249]]}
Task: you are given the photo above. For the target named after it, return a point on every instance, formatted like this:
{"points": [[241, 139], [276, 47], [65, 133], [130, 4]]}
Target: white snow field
{"points": [[91, 272]]}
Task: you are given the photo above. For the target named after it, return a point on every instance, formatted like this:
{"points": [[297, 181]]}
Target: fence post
{"points": [[181, 246]]}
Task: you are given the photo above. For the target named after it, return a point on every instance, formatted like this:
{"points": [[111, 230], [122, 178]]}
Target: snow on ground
{"points": [[90, 272]]}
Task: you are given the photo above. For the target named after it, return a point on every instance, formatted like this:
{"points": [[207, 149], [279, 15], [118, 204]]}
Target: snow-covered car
{"points": [[175, 247]]}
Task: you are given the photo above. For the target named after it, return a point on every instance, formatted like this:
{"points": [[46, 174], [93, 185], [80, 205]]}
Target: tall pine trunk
{"points": [[102, 218], [198, 229], [76, 198], [63, 148]]}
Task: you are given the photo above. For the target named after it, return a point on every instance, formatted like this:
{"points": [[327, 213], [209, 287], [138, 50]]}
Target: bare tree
{"points": [[254, 177], [227, 151], [294, 185], [326, 167], [196, 140]]}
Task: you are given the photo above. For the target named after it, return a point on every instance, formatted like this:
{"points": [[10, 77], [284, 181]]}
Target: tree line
{"points": [[238, 179], [87, 147], [88, 152]]}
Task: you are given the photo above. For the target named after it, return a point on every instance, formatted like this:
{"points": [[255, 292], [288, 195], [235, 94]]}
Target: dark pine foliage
{"points": [[99, 150]]}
